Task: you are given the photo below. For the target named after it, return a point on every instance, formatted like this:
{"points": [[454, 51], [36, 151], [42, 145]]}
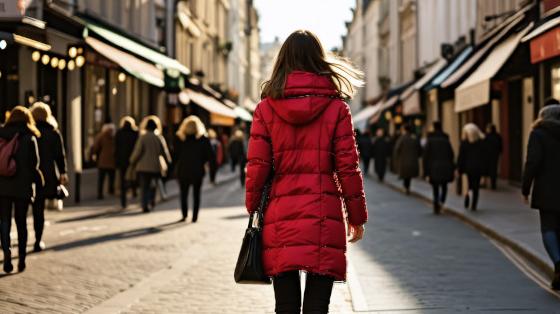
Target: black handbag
{"points": [[249, 268]]}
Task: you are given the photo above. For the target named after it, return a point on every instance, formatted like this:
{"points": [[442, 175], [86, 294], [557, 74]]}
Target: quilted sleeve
{"points": [[259, 161], [348, 170]]}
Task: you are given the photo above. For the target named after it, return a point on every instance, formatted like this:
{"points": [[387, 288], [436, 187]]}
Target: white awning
{"points": [[243, 114], [541, 29], [475, 58], [250, 104], [411, 105], [366, 113], [430, 74], [209, 103], [475, 90]]}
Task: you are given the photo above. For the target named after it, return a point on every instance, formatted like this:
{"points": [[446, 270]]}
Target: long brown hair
{"points": [[303, 51], [23, 115]]}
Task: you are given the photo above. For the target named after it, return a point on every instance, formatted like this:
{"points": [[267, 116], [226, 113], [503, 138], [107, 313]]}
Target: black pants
{"points": [[39, 218], [440, 193], [102, 173], [287, 291], [124, 186], [550, 230], [213, 170], [20, 208], [366, 162], [474, 187], [148, 183], [242, 173], [185, 186], [407, 182]]}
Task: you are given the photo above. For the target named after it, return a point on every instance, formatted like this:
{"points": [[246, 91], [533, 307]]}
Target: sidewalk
{"points": [[502, 215]]}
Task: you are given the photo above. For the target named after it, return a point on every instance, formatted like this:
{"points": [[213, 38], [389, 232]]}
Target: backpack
{"points": [[8, 149]]}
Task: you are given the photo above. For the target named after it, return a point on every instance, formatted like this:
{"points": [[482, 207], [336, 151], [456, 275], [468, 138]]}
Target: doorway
{"points": [[515, 117]]}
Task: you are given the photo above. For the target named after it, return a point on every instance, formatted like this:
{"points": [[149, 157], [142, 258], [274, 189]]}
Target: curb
{"points": [[541, 264]]}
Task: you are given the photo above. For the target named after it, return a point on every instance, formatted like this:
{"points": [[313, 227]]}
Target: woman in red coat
{"points": [[302, 130]]}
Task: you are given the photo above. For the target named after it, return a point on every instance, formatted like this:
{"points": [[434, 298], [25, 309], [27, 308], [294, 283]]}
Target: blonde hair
{"points": [[191, 126], [472, 133], [23, 115], [128, 120], [212, 134], [144, 123], [42, 112]]}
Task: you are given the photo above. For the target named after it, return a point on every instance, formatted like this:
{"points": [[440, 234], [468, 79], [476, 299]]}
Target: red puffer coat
{"points": [[309, 138]]}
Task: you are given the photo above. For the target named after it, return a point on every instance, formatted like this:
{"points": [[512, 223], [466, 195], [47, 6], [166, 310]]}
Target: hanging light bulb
{"points": [[36, 56], [114, 91], [45, 59], [80, 61], [71, 65], [3, 44], [72, 52], [61, 64], [54, 62], [122, 77]]}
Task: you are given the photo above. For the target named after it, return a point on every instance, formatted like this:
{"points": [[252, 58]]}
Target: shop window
{"points": [[555, 80], [94, 108]]}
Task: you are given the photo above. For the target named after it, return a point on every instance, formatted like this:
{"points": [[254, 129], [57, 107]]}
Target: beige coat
{"points": [[147, 152]]}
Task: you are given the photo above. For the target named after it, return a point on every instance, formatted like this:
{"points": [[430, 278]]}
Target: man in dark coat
{"points": [[542, 173], [493, 143], [407, 152], [125, 140], [381, 150], [238, 153], [365, 146], [438, 164]]}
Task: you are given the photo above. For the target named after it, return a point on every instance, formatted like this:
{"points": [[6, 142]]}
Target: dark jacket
{"points": [[190, 156], [237, 150], [407, 152], [438, 158], [542, 168], [52, 156], [104, 149], [472, 158], [365, 146], [22, 185], [381, 150], [125, 139], [493, 143]]}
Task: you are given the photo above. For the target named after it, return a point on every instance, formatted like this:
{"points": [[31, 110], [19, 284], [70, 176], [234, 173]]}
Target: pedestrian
{"points": [[493, 142], [381, 151], [472, 162], [542, 173], [52, 156], [217, 155], [103, 151], [125, 140], [238, 153], [302, 134], [17, 191], [162, 179], [407, 153], [365, 146], [150, 158], [193, 152], [439, 164]]}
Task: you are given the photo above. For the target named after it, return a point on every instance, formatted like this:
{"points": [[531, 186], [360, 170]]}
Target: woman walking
{"points": [[192, 152], [238, 153], [104, 151], [217, 155], [149, 158], [302, 134], [407, 152], [542, 172], [52, 165], [472, 162], [17, 191], [125, 139], [438, 164], [365, 147], [381, 151]]}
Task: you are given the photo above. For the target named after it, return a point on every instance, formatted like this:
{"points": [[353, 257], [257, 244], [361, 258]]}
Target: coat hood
{"points": [[9, 130], [551, 127], [307, 95]]}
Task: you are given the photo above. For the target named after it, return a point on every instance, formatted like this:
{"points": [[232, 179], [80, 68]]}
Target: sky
{"points": [[323, 17]]}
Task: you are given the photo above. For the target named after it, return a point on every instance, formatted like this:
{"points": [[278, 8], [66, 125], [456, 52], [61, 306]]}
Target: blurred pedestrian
{"points": [[52, 164], [125, 140], [493, 142], [472, 162], [238, 153], [103, 151], [542, 173], [217, 155], [162, 179], [150, 159], [381, 150], [439, 164], [551, 102], [303, 130], [365, 147], [18, 182], [193, 152], [407, 152]]}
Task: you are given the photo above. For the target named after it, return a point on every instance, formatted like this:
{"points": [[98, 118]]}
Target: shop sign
{"points": [[545, 46], [13, 8], [549, 7]]}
